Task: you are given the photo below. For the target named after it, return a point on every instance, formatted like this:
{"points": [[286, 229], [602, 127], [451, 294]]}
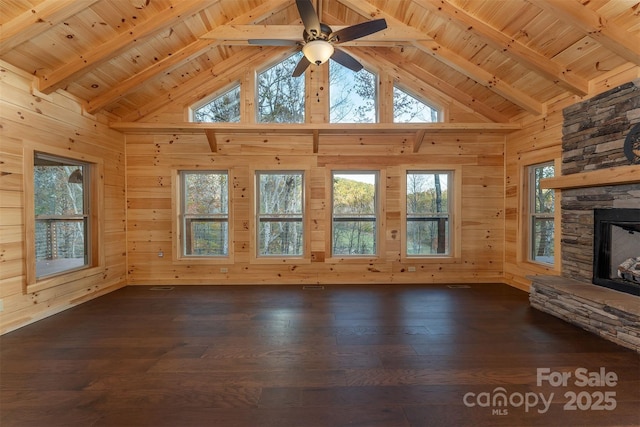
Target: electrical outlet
{"points": [[224, 270], [412, 269], [160, 254]]}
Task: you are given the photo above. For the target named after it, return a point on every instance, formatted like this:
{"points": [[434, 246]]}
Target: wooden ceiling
{"points": [[503, 58]]}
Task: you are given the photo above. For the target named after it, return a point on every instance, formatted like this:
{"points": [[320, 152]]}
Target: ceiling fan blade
{"points": [[346, 60], [273, 42], [302, 65], [309, 17], [358, 30]]}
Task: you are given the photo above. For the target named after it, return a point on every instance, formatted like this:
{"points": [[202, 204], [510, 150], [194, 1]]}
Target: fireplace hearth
{"points": [[616, 249]]}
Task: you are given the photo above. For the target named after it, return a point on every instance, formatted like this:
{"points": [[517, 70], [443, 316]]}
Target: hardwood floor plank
{"points": [[280, 356]]}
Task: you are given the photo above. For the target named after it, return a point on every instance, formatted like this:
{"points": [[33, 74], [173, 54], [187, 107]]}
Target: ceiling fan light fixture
{"points": [[318, 51]]}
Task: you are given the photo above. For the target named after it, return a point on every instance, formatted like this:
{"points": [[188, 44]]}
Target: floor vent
{"points": [[458, 286], [161, 288], [313, 288]]}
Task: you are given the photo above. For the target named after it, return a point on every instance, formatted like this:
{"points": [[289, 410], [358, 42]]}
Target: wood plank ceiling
{"points": [[129, 58]]}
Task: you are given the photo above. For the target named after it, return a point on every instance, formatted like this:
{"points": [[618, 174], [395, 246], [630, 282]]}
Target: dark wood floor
{"points": [[283, 356]]}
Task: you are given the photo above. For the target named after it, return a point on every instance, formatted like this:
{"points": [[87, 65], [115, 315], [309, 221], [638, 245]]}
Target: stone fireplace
{"points": [[600, 221]]}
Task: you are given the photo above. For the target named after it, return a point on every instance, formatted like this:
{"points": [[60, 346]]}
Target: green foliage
{"points": [[354, 217]]}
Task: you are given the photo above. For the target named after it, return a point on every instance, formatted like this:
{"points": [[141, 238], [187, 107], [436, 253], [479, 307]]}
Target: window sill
{"points": [[63, 278]]}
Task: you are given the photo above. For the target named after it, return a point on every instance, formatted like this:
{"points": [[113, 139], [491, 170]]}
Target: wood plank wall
{"points": [[152, 159], [539, 141], [55, 121]]}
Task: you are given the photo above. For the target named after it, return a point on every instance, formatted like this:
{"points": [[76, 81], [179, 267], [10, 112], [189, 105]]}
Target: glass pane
{"points": [[428, 237], [280, 193], [544, 198], [281, 238], [543, 240], [427, 193], [352, 95], [205, 193], [354, 237], [58, 188], [354, 194], [207, 238], [409, 109], [225, 108], [281, 96], [61, 224], [60, 245]]}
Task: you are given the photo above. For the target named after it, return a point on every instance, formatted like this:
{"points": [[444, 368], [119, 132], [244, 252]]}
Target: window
{"points": [[355, 209], [428, 213], [409, 109], [280, 201], [541, 215], [205, 213], [61, 208], [221, 109], [281, 96], [353, 96]]}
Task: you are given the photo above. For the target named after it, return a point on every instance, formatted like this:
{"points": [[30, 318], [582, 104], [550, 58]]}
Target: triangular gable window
{"points": [[353, 96], [224, 108], [409, 109], [281, 96]]}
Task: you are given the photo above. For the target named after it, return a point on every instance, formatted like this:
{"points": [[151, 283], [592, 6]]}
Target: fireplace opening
{"points": [[616, 249]]}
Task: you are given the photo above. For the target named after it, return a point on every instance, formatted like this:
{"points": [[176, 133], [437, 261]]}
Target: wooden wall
{"points": [[539, 141], [153, 159], [53, 123]]}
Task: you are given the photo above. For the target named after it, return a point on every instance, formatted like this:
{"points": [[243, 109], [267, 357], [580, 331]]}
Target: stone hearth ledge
{"points": [[613, 315]]}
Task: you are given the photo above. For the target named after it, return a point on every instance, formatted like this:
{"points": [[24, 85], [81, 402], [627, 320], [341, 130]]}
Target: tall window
{"points": [[280, 201], [352, 96], [62, 220], [280, 96], [221, 109], [205, 213], [541, 215], [428, 213], [409, 109], [355, 213]]}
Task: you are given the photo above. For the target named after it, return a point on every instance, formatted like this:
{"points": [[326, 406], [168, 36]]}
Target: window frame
{"points": [[532, 215], [273, 217], [380, 223], [93, 195], [254, 225], [180, 218], [454, 198], [430, 216]]}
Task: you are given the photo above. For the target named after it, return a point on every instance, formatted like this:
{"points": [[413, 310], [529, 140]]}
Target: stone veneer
{"points": [[593, 138]]}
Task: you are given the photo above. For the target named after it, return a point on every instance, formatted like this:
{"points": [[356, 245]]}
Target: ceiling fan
{"points": [[319, 40]]}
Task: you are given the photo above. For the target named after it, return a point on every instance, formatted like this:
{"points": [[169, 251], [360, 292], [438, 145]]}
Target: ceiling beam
{"points": [[508, 46], [174, 60], [403, 69], [124, 41], [37, 20], [481, 76], [595, 26], [239, 34], [451, 59]]}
